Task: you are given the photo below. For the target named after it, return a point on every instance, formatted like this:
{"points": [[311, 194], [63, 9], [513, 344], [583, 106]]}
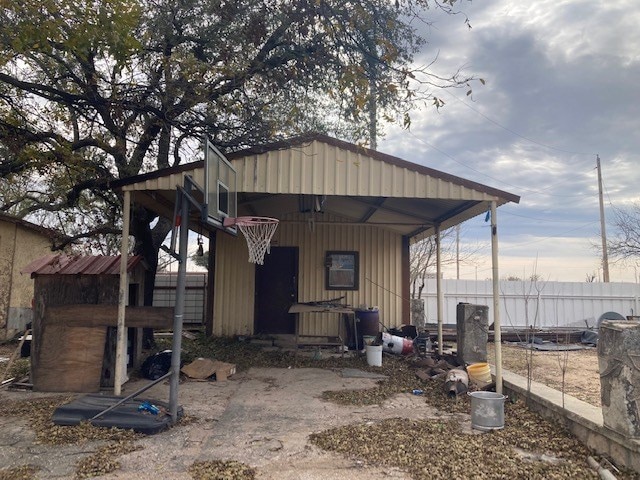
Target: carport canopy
{"points": [[317, 172]]}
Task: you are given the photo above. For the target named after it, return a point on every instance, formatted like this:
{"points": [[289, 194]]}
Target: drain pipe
{"points": [[603, 472]]}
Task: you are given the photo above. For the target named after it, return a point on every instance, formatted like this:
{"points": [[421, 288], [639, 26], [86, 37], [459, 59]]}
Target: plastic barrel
{"points": [[367, 322], [397, 345], [480, 374], [487, 410]]}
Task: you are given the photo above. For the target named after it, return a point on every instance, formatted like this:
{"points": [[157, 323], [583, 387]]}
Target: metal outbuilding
{"points": [[331, 197]]}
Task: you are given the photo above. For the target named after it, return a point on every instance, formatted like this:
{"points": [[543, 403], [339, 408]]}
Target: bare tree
{"points": [[625, 244], [423, 258]]}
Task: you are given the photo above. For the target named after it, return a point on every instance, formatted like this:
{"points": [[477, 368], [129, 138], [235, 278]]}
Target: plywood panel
{"points": [[69, 359]]}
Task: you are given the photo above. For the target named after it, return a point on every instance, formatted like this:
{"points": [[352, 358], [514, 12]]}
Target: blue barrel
{"points": [[367, 324]]}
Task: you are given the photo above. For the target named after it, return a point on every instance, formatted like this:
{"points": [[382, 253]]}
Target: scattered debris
{"points": [[603, 472], [419, 447], [104, 460], [189, 335], [456, 382], [397, 345], [23, 472], [156, 365], [206, 368], [537, 457]]}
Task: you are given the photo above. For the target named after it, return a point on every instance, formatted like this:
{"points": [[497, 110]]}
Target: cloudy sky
{"points": [[561, 86]]}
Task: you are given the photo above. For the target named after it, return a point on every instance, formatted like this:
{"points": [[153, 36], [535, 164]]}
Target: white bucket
{"points": [[487, 410], [374, 355]]}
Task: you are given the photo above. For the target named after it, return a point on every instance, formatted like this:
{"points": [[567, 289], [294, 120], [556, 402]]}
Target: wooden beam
{"points": [[88, 315]]}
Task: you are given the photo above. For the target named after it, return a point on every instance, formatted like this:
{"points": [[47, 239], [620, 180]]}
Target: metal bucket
{"points": [[487, 410]]}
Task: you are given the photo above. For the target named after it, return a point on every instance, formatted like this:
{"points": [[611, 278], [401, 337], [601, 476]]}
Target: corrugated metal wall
{"points": [[234, 287], [380, 274], [544, 304]]}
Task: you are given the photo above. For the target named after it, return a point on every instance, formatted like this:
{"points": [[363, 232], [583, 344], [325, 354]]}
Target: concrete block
{"points": [[619, 364], [472, 324]]}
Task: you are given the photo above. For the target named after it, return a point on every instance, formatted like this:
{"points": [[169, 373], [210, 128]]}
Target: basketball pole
{"points": [[183, 198]]}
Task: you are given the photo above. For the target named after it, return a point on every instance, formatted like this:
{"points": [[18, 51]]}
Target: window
{"points": [[341, 270]]}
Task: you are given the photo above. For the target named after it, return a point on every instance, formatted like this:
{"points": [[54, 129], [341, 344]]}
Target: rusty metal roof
{"points": [[79, 265]]}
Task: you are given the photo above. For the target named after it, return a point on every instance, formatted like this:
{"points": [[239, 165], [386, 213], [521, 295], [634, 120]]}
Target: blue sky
{"points": [[561, 86]]}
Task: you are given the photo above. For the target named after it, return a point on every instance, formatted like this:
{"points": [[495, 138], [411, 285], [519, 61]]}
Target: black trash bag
{"points": [[156, 365], [589, 337]]}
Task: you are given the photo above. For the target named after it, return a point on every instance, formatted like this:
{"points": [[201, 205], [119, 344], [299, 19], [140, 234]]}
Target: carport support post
{"points": [[121, 337], [497, 332], [439, 293]]}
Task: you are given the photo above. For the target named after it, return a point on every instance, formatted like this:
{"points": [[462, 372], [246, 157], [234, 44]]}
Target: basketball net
{"points": [[258, 232]]}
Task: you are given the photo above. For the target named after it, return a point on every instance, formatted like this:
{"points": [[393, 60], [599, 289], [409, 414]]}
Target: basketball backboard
{"points": [[219, 188]]}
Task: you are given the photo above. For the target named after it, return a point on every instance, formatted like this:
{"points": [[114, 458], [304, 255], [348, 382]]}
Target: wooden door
{"points": [[276, 290]]}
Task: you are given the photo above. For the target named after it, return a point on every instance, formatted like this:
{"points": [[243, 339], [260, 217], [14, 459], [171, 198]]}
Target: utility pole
{"points": [[603, 233]]}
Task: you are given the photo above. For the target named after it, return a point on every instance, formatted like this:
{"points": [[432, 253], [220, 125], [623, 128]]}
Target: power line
{"points": [[516, 133], [541, 192], [549, 237], [504, 212]]}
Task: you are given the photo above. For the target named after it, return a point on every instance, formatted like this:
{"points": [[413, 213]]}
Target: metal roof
{"points": [[79, 265], [359, 185]]}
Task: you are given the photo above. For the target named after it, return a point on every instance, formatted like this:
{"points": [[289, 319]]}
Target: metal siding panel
{"points": [[235, 278], [323, 169], [380, 279]]}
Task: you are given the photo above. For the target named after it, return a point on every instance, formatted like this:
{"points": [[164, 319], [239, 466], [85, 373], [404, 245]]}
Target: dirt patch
{"points": [[573, 372]]}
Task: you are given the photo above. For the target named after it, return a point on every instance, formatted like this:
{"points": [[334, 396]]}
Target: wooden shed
{"points": [[75, 315]]}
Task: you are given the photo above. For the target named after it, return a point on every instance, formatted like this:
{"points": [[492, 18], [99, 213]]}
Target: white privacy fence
{"points": [[541, 303]]}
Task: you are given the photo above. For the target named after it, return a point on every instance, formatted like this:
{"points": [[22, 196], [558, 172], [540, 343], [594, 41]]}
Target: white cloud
{"points": [[561, 87]]}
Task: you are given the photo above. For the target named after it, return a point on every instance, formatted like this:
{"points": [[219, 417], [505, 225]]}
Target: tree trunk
{"points": [[147, 244]]}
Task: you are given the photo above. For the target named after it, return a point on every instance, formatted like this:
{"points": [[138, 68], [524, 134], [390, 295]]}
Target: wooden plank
{"points": [[107, 316]]}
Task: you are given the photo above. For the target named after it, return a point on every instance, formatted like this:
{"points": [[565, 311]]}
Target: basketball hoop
{"points": [[258, 232]]}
